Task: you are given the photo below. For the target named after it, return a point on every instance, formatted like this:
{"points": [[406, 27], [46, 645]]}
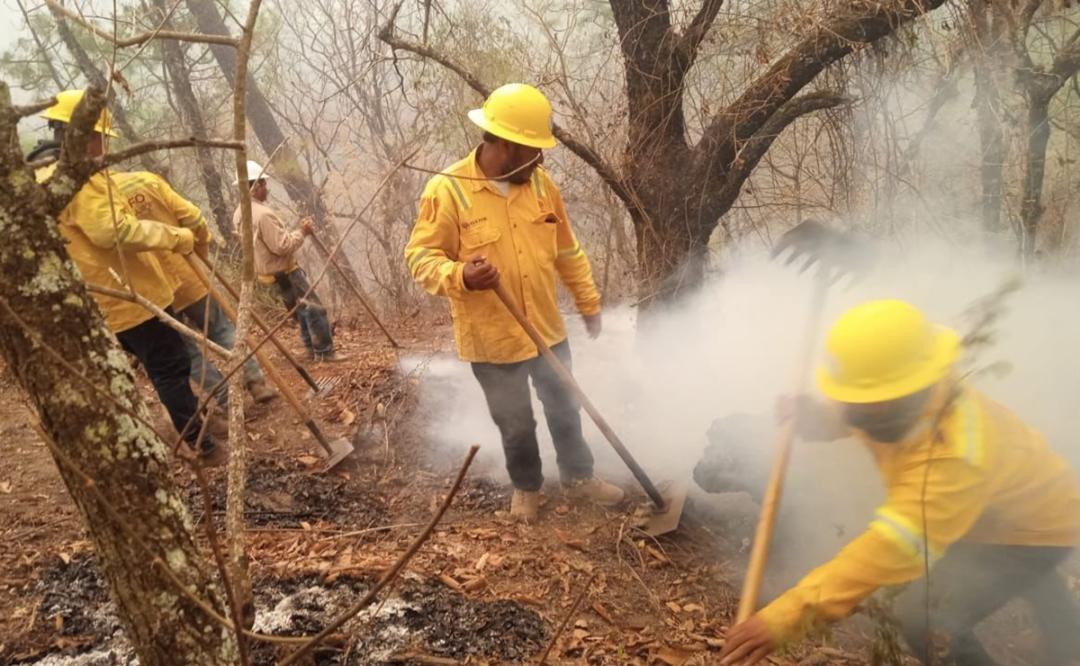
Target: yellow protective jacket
{"points": [[114, 248], [526, 235], [988, 478], [153, 199]]}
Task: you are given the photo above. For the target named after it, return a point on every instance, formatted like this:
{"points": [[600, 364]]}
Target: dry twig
{"points": [[392, 572]]}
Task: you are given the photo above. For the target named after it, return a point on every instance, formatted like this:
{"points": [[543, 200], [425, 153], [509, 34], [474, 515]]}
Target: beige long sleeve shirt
{"points": [[275, 244]]}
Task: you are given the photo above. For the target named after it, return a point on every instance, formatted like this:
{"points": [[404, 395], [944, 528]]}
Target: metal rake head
{"points": [[836, 254], [325, 384]]}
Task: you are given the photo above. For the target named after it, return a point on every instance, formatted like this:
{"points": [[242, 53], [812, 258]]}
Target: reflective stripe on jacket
{"points": [[526, 235], [114, 248], [153, 199], [988, 478]]}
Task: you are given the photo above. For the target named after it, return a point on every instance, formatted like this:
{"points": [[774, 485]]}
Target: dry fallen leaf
{"points": [[569, 541], [5, 487], [450, 582], [673, 656], [65, 558]]}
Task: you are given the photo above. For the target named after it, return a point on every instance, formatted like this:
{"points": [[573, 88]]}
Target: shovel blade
{"points": [[340, 449], [666, 519]]}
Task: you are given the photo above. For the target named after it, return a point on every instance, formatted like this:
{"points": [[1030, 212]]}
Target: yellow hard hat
{"points": [[66, 102], [884, 350], [517, 112]]}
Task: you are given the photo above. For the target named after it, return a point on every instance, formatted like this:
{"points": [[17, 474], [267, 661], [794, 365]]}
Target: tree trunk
{"points": [[96, 78], [985, 62], [286, 166], [672, 257], [676, 194], [1031, 208], [114, 465], [180, 80]]}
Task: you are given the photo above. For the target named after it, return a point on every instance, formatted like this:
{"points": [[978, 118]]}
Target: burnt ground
{"points": [[481, 591]]}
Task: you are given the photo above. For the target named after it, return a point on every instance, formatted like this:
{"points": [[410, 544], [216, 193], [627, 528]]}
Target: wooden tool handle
{"points": [[571, 385], [355, 290], [759, 553], [267, 366], [300, 369]]}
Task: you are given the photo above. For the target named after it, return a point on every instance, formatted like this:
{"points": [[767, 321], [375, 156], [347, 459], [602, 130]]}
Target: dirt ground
{"points": [[483, 590]]}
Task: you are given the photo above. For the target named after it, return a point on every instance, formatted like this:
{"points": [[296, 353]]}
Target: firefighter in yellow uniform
{"points": [[113, 247], [969, 487], [153, 199], [496, 216]]}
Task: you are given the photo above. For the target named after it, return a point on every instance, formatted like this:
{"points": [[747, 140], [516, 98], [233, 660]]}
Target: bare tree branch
{"points": [[167, 144], [143, 37], [392, 572], [25, 110], [587, 153], [698, 29], [751, 152], [852, 26], [171, 322]]}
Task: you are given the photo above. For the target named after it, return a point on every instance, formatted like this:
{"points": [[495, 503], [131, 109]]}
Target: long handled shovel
{"points": [[668, 510], [336, 450], [835, 255]]}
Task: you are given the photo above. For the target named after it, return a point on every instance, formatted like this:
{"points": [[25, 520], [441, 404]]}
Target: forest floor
{"points": [[482, 590]]}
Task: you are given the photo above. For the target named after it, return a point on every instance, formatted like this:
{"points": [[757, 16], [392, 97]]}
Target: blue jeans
{"points": [[311, 315], [506, 388], [205, 312], [972, 581], [160, 350]]}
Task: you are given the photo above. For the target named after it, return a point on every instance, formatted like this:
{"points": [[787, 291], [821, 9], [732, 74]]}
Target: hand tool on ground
{"points": [[336, 450], [668, 509], [293, 361], [355, 290], [835, 255]]}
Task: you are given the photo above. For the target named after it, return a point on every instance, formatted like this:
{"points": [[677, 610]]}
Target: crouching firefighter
{"points": [[972, 492], [113, 247]]}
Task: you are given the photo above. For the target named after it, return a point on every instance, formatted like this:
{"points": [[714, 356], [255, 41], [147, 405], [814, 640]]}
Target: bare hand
{"points": [[307, 226], [478, 274], [593, 325], [747, 643], [185, 241]]}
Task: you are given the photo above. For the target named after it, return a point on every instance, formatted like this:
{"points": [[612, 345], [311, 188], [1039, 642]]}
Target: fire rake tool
{"points": [[336, 450], [835, 254]]}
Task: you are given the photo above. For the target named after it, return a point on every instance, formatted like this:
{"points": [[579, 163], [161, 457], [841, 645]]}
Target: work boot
{"points": [[330, 357], [213, 454], [594, 490], [260, 392], [217, 426], [525, 505]]}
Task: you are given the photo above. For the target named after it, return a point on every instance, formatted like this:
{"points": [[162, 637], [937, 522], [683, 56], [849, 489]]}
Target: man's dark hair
{"points": [[490, 138]]}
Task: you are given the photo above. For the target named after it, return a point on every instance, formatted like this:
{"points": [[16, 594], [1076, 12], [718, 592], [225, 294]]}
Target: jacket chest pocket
{"points": [[542, 235], [478, 233]]}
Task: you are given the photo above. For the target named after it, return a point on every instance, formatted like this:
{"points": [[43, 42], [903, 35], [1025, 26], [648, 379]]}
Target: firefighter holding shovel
{"points": [[496, 218], [972, 492]]}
